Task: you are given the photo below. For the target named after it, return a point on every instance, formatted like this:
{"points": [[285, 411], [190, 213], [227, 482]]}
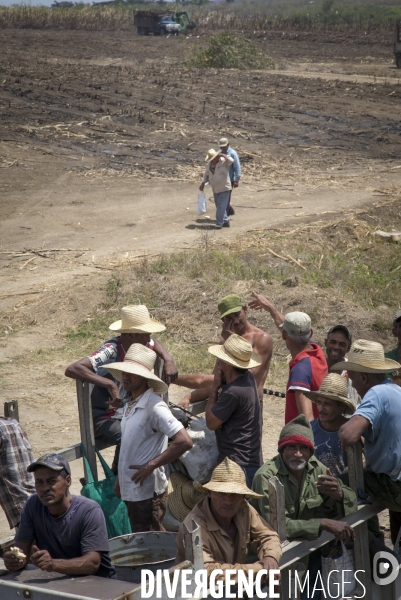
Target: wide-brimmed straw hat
{"points": [[211, 154], [367, 357], [227, 478], [236, 351], [182, 496], [139, 360], [334, 387], [136, 319]]}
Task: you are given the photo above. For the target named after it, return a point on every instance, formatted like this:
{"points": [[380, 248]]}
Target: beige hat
{"points": [[139, 360], [211, 154], [136, 319], [223, 142], [334, 387], [182, 496], [236, 351], [367, 357], [227, 478]]}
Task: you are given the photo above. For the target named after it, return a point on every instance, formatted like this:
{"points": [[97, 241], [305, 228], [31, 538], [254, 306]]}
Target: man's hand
{"points": [[42, 559], [218, 377], [202, 185], [235, 184], [260, 302], [114, 392], [227, 329], [270, 563], [12, 563], [340, 529], [330, 486], [170, 372], [142, 473], [185, 402]]}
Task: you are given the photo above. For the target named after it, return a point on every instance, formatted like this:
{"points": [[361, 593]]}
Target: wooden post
{"points": [[86, 425], [277, 507], [11, 410], [361, 544]]}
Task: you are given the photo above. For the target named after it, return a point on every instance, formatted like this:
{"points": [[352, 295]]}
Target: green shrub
{"points": [[228, 51]]}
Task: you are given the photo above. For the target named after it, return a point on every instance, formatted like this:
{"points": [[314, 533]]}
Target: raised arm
{"points": [[262, 303], [170, 373]]}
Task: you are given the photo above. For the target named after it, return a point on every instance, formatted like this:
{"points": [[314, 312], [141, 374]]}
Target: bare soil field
{"points": [[102, 143]]}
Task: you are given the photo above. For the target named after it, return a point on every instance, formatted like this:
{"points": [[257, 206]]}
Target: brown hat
{"points": [[227, 478], [334, 387], [182, 496], [367, 357]]}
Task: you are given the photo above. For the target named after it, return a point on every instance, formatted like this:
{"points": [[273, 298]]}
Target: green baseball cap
{"points": [[229, 304]]}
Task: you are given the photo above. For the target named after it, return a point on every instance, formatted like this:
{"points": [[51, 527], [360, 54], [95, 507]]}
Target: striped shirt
{"points": [[16, 484]]}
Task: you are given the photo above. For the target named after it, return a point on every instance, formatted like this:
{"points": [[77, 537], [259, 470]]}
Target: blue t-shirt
{"points": [[328, 448], [80, 530], [381, 406]]}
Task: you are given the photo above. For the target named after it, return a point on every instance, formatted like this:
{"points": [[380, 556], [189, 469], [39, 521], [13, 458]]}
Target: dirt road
{"points": [[102, 143]]}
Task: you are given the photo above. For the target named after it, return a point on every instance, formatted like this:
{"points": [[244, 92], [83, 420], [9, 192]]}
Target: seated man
{"points": [[310, 491], [308, 487], [230, 526], [58, 531], [233, 410], [234, 316], [146, 425], [134, 327], [332, 403], [378, 420], [16, 484]]}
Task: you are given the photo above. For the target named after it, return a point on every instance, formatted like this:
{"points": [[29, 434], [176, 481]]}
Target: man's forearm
{"points": [[84, 373], [195, 381], [209, 406], [162, 352], [175, 450], [76, 566]]}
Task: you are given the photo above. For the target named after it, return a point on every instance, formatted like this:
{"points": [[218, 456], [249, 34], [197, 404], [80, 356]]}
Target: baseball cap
{"points": [[397, 317], [297, 323], [229, 304], [344, 329], [223, 142], [52, 461]]}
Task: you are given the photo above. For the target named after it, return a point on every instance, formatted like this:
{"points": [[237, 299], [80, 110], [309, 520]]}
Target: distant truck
{"points": [[397, 45], [149, 22]]}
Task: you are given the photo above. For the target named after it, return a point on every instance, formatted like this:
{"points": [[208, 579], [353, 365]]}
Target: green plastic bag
{"points": [[102, 492]]}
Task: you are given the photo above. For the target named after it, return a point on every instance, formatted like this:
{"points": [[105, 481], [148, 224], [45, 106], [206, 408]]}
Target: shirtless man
{"points": [[234, 317]]}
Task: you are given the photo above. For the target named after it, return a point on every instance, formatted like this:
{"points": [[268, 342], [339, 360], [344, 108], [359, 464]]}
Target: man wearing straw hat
{"points": [[217, 174], [233, 410], [378, 420], [332, 403], [146, 425], [135, 327], [230, 526]]}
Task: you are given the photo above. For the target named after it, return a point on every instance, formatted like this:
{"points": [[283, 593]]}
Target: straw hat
{"points": [[136, 319], [236, 351], [182, 496], [367, 357], [211, 154], [139, 360], [334, 387], [227, 478]]}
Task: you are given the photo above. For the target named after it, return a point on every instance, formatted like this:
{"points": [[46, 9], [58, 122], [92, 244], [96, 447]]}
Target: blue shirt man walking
{"points": [[235, 169]]}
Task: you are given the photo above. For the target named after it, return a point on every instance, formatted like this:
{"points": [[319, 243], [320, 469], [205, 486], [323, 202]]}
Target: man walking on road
{"points": [[217, 174], [235, 169]]}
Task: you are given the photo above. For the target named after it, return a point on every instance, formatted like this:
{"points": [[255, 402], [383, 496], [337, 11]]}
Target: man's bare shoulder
{"points": [[260, 340]]}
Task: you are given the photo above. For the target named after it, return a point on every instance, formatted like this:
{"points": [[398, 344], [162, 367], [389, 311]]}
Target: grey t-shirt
{"points": [[240, 436], [80, 530]]}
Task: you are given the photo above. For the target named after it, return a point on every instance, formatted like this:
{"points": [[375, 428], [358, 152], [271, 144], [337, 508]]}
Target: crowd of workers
{"points": [[333, 400]]}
